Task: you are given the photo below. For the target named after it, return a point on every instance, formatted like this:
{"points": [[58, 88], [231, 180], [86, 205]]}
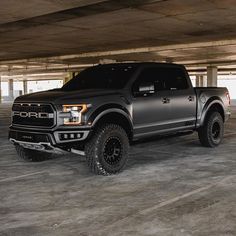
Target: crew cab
{"points": [[105, 107]]}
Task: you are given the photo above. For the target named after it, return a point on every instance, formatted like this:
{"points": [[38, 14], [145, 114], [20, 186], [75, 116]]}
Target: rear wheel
{"points": [[107, 151], [29, 155], [211, 133]]}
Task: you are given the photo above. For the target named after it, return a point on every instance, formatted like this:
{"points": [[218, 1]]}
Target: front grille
{"points": [[34, 115]]}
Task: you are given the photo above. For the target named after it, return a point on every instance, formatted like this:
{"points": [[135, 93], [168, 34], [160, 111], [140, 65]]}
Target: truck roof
{"points": [[139, 64]]}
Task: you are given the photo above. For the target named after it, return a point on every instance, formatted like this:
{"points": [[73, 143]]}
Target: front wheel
{"points": [[211, 133], [107, 151]]}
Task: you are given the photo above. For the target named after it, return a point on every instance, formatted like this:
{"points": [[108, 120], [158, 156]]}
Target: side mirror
{"points": [[146, 89]]}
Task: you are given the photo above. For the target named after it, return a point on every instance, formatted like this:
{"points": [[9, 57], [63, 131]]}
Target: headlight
{"points": [[75, 112]]}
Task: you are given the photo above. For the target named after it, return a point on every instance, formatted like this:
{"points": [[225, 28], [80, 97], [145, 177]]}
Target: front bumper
{"points": [[44, 147], [49, 141]]}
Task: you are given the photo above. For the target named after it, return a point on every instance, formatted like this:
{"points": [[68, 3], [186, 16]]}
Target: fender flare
{"points": [[212, 101], [106, 109]]}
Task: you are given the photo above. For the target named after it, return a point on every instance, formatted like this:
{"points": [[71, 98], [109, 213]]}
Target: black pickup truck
{"points": [[103, 109]]}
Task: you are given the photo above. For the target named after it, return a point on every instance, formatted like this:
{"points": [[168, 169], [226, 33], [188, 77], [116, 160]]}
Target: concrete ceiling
{"points": [[59, 35]]}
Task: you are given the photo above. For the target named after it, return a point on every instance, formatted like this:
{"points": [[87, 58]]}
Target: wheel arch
{"points": [[117, 116], [213, 104]]}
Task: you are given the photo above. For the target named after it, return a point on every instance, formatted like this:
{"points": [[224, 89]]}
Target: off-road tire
{"points": [[29, 155], [108, 149], [212, 131]]}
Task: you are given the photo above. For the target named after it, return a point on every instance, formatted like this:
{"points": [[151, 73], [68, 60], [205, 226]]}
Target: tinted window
{"points": [[149, 77], [175, 79], [162, 78], [101, 77]]}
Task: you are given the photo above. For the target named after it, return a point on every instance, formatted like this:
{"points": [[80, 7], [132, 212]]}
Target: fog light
{"points": [[70, 136]]}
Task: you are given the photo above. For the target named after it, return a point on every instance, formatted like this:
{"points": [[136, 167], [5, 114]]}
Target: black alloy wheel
{"points": [[112, 150]]}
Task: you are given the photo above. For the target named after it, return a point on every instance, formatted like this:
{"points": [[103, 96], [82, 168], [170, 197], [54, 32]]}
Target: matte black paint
{"points": [[162, 112]]}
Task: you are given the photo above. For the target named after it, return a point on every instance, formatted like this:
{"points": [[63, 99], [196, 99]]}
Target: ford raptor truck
{"points": [[104, 108]]}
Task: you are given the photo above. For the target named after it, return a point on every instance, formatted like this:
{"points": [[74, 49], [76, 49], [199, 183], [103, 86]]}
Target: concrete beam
{"points": [[169, 60], [212, 76], [48, 69], [106, 61], [201, 45]]}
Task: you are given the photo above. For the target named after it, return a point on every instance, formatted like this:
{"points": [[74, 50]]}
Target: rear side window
{"points": [[161, 78], [175, 79]]}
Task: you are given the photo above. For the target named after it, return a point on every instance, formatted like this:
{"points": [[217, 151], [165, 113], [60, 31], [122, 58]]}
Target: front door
{"points": [[151, 106]]}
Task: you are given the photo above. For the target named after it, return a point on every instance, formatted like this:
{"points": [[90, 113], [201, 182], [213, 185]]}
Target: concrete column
{"points": [[65, 80], [10, 89], [211, 76], [199, 81], [0, 90], [25, 87], [68, 77]]}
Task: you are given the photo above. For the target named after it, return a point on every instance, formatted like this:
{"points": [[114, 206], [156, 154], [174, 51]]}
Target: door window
{"points": [[149, 82]]}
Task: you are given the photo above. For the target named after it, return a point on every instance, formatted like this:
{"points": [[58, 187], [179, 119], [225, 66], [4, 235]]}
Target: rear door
{"points": [[182, 97]]}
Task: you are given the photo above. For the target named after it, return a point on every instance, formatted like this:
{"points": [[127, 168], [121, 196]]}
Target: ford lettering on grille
{"points": [[40, 115], [35, 115]]}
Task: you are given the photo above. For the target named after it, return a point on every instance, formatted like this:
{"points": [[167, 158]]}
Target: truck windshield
{"points": [[101, 77]]}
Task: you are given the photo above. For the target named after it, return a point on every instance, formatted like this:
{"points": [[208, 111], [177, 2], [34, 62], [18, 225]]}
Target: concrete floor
{"points": [[171, 186]]}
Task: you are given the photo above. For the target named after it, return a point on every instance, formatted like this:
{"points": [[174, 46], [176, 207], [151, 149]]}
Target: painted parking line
{"points": [[148, 210], [229, 134], [186, 195], [21, 176]]}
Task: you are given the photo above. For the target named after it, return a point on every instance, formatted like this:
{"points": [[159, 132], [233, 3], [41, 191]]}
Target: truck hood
{"points": [[59, 96]]}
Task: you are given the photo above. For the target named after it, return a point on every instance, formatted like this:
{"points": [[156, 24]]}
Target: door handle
{"points": [[191, 98], [165, 100]]}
